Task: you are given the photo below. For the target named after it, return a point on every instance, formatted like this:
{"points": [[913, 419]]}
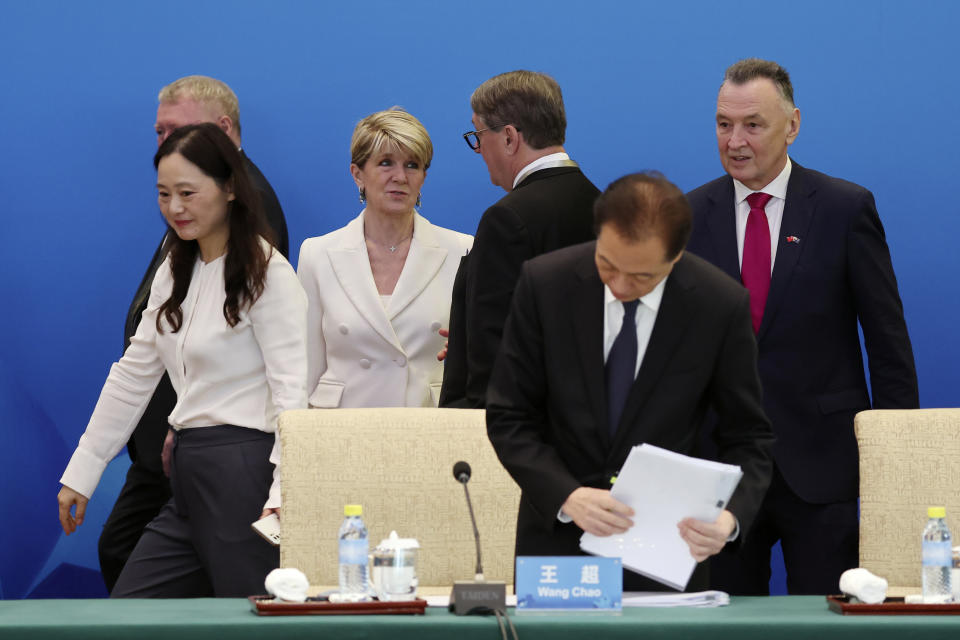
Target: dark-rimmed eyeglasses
{"points": [[473, 138]]}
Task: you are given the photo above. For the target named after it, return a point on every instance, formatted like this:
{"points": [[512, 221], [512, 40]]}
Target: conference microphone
{"points": [[478, 595], [461, 471]]}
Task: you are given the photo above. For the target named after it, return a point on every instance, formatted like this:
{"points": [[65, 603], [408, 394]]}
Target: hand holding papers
{"points": [[596, 511], [663, 488], [706, 539]]}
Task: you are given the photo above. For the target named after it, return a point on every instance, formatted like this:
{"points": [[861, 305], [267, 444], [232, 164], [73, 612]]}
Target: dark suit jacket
{"points": [[546, 404], [549, 209], [837, 271], [147, 440]]}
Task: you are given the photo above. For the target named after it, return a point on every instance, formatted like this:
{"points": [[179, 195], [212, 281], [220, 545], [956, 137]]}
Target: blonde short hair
{"points": [[391, 130], [207, 91]]}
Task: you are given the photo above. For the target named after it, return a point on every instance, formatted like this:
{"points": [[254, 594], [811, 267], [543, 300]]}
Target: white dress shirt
{"points": [[539, 163], [243, 375], [646, 317], [774, 210]]}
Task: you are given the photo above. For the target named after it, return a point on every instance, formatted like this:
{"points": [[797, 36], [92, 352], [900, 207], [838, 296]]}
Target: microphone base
{"points": [[471, 597]]}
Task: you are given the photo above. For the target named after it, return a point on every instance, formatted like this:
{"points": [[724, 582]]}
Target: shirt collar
{"points": [[651, 300], [537, 164], [777, 187]]}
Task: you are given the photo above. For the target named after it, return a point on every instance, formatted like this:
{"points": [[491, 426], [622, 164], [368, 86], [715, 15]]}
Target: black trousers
{"points": [[201, 543], [143, 495], [819, 542]]}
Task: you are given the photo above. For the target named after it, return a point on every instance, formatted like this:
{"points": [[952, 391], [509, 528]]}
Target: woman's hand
{"points": [[267, 512], [442, 354], [67, 498]]}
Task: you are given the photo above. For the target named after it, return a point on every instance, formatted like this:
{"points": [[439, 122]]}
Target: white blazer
{"points": [[360, 354]]}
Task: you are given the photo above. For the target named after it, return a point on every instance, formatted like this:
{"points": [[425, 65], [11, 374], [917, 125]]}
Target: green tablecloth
{"points": [[775, 618]]}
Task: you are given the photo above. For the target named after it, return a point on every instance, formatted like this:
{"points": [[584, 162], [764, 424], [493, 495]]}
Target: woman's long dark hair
{"points": [[245, 265]]}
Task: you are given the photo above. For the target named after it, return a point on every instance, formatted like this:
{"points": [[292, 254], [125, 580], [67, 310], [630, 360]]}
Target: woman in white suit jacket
{"points": [[379, 288]]}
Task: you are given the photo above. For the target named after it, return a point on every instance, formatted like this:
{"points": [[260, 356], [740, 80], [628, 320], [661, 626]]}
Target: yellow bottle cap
{"points": [[352, 510], [936, 512]]}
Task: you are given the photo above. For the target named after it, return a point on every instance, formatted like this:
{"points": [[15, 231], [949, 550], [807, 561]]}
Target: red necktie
{"points": [[755, 269]]}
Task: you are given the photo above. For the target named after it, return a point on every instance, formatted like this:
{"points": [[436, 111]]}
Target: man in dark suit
{"points": [[520, 125], [189, 100], [811, 250], [618, 342]]}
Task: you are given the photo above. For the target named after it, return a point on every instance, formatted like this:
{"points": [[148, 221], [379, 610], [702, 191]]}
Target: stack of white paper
{"points": [[663, 488], [702, 599]]}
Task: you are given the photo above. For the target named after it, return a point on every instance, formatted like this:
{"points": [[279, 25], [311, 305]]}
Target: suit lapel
{"points": [[671, 323], [722, 225], [797, 215], [351, 265], [587, 316], [424, 260]]}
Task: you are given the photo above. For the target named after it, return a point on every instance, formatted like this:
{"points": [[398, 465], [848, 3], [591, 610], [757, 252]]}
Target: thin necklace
{"points": [[393, 249]]}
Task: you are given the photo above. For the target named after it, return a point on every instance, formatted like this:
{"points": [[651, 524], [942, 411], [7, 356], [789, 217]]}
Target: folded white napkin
{"points": [[863, 585], [289, 585]]}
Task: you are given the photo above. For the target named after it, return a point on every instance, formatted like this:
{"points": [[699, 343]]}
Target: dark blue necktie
{"points": [[621, 365]]}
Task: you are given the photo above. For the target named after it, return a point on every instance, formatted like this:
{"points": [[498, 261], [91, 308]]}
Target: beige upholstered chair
{"points": [[909, 460], [397, 463]]}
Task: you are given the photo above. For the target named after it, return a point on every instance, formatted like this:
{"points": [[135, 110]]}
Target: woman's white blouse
{"points": [[243, 375]]}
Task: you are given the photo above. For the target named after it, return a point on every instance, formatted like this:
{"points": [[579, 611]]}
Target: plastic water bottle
{"points": [[354, 547], [937, 557]]}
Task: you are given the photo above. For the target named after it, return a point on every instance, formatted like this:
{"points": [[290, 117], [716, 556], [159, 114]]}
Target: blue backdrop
{"points": [[79, 211]]}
